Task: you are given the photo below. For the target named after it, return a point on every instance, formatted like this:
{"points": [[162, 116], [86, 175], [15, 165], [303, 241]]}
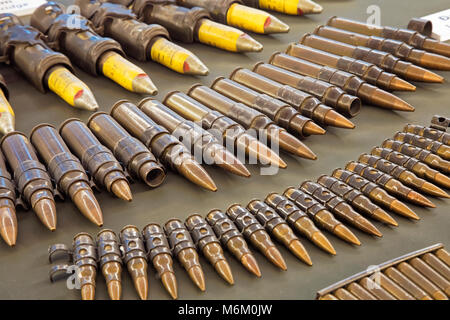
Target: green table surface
{"points": [[24, 268]]}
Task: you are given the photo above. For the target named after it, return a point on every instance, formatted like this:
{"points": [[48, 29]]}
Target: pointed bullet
{"points": [[308, 6], [419, 199], [249, 262], [416, 73], [368, 227], [438, 47], [291, 144], [260, 151], [309, 128], [45, 209], [443, 180], [245, 43], [195, 173], [84, 99], [398, 84], [144, 85], [121, 190], [86, 202], [194, 66], [8, 225], [141, 286], [114, 289], [435, 61], [88, 292], [387, 100], [300, 252], [170, 283], [275, 25], [226, 160], [320, 240], [344, 233], [276, 258], [197, 276], [335, 119], [384, 217], [224, 270], [402, 209]]}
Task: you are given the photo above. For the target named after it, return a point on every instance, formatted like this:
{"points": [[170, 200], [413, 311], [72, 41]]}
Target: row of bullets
{"points": [[420, 275]]}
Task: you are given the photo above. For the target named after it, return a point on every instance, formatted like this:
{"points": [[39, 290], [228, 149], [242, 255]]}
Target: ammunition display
{"points": [[159, 253], [66, 170], [428, 132], [132, 153], [233, 13], [207, 243], [88, 50], [250, 119], [194, 137], [23, 47], [30, 176], [407, 277], [96, 158], [7, 117], [135, 258], [140, 40], [171, 152], [435, 147], [305, 103]]}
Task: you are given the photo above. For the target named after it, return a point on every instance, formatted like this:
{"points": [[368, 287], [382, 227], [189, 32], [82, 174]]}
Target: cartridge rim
{"points": [[103, 231], [195, 85], [118, 103], [63, 124], [82, 234], [234, 71], [143, 101], [129, 226], [95, 115], [217, 80], [10, 134], [274, 54], [169, 94]]}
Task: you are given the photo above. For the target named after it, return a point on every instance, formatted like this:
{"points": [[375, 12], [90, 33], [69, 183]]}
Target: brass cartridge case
{"points": [[280, 112], [30, 176], [431, 274], [252, 230], [326, 92], [202, 144], [73, 35], [96, 158], [305, 103], [352, 84], [110, 262], [207, 243], [8, 219], [437, 264], [66, 170], [279, 228], [299, 220], [339, 207], [320, 214], [359, 292], [420, 154], [399, 278], [411, 37], [357, 199], [375, 289], [133, 154], [183, 248], [388, 182], [435, 147], [229, 235], [160, 255], [429, 133], [134, 256]]}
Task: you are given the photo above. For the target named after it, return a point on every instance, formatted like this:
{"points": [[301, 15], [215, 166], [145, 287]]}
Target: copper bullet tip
{"points": [[333, 118], [245, 43], [291, 144], [434, 190], [384, 217], [223, 269], [170, 283], [197, 276], [398, 84], [249, 262], [195, 173], [276, 258], [309, 128], [420, 199], [429, 76], [121, 190], [389, 101], [368, 227], [88, 292], [226, 160], [404, 210], [416, 73], [300, 252], [443, 180], [320, 240], [435, 61], [274, 25], [141, 286], [8, 225], [344, 233], [46, 211], [114, 289], [260, 151], [86, 202]]}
